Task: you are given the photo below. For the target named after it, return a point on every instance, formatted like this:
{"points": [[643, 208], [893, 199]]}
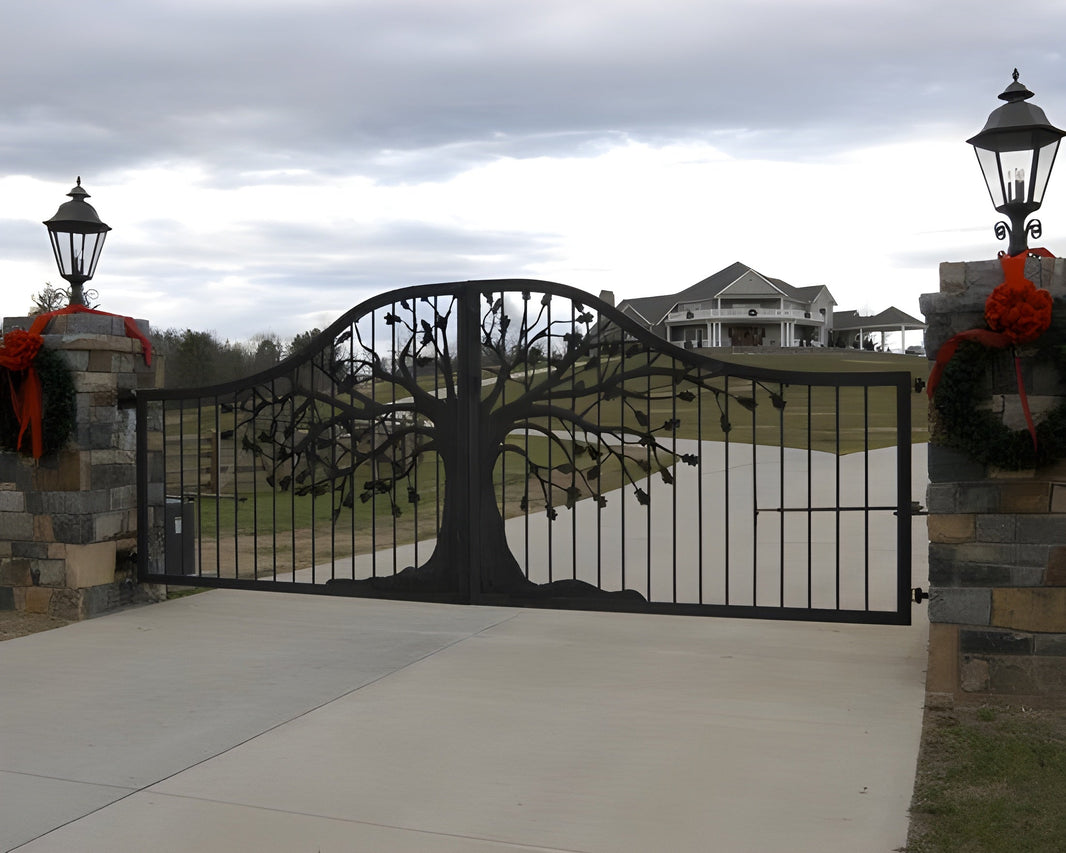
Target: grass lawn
{"points": [[990, 781]]}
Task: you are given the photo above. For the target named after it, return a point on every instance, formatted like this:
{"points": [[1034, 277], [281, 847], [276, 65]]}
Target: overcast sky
{"points": [[267, 164]]}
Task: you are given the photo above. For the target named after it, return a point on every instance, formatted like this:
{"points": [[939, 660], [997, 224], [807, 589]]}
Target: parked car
{"points": [[915, 350]]}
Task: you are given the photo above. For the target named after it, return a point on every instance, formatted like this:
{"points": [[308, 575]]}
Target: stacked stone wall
{"points": [[68, 520], [997, 538]]}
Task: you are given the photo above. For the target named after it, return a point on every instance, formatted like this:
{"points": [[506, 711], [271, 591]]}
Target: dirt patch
{"points": [[16, 623]]}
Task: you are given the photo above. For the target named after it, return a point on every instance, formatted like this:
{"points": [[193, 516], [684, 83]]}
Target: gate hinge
{"points": [[914, 509], [918, 595]]}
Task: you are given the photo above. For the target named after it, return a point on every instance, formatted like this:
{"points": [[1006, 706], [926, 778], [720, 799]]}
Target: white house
{"points": [[738, 307]]}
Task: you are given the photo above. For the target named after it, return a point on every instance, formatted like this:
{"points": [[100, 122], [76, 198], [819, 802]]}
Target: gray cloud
{"points": [[332, 86]]}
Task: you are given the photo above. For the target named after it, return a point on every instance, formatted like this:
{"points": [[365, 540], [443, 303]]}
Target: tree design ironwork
{"points": [[357, 416]]}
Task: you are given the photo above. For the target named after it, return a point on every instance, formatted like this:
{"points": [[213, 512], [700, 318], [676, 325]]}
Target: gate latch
{"points": [[918, 595]]}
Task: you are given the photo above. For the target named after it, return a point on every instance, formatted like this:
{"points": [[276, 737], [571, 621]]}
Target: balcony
{"points": [[789, 314]]}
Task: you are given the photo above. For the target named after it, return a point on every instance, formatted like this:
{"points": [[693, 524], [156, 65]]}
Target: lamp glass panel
{"points": [[63, 246], [91, 246], [989, 162], [80, 265], [1016, 168], [1045, 160]]}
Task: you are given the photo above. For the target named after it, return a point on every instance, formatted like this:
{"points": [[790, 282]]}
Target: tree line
{"points": [[193, 359]]}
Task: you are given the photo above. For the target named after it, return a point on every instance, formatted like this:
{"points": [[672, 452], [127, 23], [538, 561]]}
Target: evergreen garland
{"points": [[59, 406], [981, 433]]}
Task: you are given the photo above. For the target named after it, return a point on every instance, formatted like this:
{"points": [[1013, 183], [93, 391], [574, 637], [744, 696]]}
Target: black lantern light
{"points": [[1016, 150], [77, 236]]}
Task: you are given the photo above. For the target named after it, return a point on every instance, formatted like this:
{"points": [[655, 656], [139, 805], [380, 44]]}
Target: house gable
{"points": [[751, 284], [649, 311]]}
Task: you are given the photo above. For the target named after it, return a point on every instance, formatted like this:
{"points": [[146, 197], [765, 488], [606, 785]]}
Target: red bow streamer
{"points": [[17, 351], [1016, 313], [19, 348]]}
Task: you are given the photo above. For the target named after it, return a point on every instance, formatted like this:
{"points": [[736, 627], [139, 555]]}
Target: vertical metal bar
{"points": [[573, 450], [810, 499], [903, 499], [551, 480], [236, 503], [199, 466], [699, 483], [622, 446], [647, 461], [334, 435], [725, 486], [677, 468], [274, 486], [468, 354], [528, 381], [165, 466], [836, 412], [142, 482], [502, 457], [392, 447], [353, 440], [373, 426], [754, 503], [181, 490], [216, 461], [292, 469], [438, 349], [255, 486], [310, 455], [866, 495], [781, 498], [597, 486], [416, 463]]}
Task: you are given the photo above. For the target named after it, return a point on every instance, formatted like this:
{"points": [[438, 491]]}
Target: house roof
{"points": [[653, 309], [888, 320], [649, 309]]}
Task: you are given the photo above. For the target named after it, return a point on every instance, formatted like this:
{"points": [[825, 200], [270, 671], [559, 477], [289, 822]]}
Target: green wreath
{"points": [[981, 433], [58, 409]]}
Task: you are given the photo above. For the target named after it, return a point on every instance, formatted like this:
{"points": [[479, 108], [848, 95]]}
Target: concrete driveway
{"points": [[236, 720]]}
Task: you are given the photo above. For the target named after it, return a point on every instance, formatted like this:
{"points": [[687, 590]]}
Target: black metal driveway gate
{"points": [[522, 442]]}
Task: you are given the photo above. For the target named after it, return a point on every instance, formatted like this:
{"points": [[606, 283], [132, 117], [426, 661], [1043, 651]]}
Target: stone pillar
{"points": [[68, 522], [997, 538]]}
